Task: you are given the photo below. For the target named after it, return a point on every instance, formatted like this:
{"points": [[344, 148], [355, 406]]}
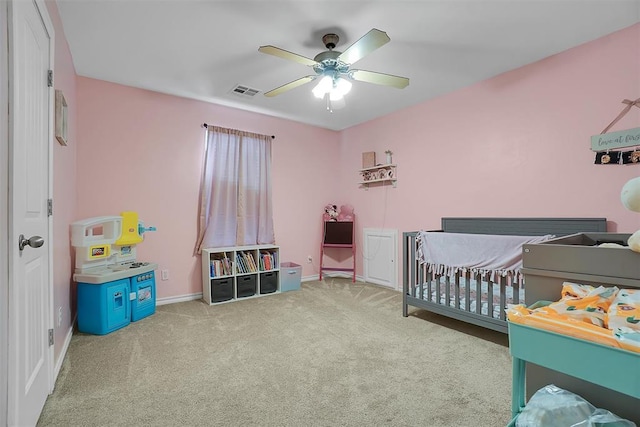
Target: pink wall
{"points": [[64, 188], [143, 151], [514, 145]]}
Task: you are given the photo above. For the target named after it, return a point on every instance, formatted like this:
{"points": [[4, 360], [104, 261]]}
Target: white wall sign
{"points": [[613, 140]]}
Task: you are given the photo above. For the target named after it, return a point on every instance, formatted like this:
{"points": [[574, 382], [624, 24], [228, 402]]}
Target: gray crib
{"points": [[471, 297]]}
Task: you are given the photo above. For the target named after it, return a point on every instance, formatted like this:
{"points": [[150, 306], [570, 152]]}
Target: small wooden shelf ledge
{"points": [[378, 174], [373, 181]]}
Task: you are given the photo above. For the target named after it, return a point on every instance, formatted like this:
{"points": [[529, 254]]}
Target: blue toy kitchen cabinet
{"points": [[103, 308]]}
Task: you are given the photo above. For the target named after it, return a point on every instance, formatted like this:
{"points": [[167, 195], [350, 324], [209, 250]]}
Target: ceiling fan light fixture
{"points": [[336, 88], [343, 86], [324, 86], [335, 95]]}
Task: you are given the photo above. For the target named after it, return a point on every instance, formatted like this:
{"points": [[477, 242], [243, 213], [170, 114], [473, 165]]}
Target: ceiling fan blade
{"points": [[379, 78], [364, 46], [285, 54], [289, 86]]}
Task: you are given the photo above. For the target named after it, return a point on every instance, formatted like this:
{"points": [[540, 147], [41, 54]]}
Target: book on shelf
{"points": [[216, 268], [250, 262], [245, 262], [254, 267], [220, 266], [240, 263], [227, 266], [268, 260]]}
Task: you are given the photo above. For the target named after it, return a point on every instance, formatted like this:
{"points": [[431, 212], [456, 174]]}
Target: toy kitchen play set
{"points": [[114, 289]]}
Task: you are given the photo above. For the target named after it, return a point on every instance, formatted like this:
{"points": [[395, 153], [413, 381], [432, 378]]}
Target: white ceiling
{"points": [[203, 49]]}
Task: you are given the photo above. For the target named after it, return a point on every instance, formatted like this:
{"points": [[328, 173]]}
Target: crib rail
{"points": [[467, 296]]}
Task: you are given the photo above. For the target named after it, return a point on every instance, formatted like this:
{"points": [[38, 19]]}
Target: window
{"points": [[236, 207]]}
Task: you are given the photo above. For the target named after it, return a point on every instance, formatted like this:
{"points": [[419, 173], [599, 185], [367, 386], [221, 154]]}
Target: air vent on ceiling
{"points": [[245, 91]]}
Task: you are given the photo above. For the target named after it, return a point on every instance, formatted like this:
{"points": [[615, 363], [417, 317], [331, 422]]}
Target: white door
{"points": [[379, 257], [30, 103]]}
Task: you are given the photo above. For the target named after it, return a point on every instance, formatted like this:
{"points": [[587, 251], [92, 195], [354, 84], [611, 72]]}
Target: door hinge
{"points": [[49, 207], [50, 336], [50, 78]]}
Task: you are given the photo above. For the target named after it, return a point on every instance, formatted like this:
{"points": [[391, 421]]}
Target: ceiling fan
{"points": [[334, 67]]}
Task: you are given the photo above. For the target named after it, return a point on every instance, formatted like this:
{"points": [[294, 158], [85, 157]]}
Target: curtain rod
{"points": [[204, 125]]}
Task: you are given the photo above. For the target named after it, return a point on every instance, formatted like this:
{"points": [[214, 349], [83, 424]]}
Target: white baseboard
{"points": [[192, 297], [179, 298], [63, 353]]}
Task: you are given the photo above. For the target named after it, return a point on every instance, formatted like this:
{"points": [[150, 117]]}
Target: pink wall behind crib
{"points": [[514, 145], [143, 151]]}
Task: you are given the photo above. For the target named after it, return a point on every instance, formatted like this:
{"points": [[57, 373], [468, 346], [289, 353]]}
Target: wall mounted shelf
{"points": [[378, 174]]}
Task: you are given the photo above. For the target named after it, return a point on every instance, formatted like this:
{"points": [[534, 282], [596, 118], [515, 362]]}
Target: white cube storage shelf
{"points": [[239, 272]]}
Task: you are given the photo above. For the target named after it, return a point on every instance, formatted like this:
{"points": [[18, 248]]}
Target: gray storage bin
{"points": [[268, 282], [221, 289], [246, 285], [291, 276]]}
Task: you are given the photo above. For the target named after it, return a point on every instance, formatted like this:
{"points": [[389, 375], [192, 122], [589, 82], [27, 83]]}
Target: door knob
{"points": [[33, 241]]}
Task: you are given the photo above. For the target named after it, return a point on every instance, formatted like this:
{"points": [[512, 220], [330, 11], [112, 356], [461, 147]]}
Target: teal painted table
{"points": [[610, 367]]}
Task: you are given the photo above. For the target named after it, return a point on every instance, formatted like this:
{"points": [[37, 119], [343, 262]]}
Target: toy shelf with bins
{"points": [[233, 273], [380, 173]]}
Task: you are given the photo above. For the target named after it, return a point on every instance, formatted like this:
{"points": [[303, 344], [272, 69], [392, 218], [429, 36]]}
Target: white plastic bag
{"points": [[552, 406]]}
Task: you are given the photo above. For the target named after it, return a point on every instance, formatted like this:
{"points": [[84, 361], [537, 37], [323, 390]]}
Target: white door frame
{"points": [[5, 208], [4, 211]]}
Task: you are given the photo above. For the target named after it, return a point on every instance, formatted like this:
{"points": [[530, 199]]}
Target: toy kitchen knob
{"points": [[33, 241]]}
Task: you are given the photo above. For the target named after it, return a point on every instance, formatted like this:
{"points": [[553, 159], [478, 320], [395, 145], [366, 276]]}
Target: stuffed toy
{"points": [[346, 213], [330, 213], [630, 196]]}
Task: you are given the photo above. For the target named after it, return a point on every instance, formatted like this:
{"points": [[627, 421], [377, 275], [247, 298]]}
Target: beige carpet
{"points": [[332, 354]]}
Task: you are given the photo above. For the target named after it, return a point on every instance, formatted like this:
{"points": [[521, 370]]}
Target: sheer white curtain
{"points": [[236, 207]]}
